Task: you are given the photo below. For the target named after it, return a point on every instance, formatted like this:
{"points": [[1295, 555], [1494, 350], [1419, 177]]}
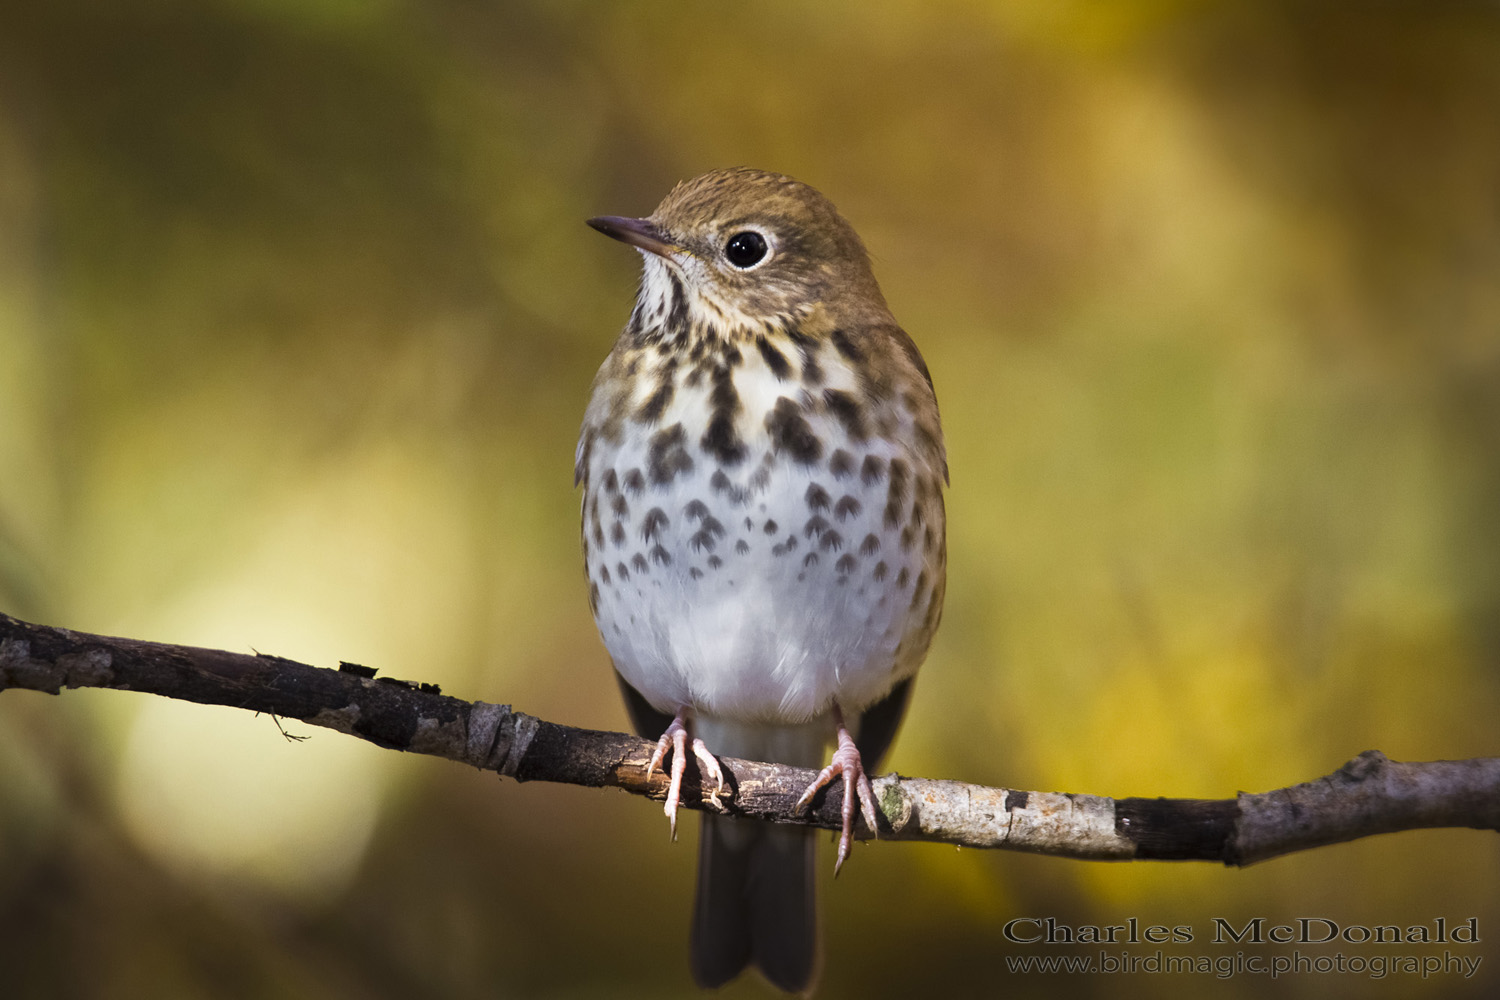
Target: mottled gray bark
{"points": [[1370, 794]]}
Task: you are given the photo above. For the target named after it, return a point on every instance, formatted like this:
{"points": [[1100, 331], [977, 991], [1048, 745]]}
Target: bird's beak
{"points": [[642, 233]]}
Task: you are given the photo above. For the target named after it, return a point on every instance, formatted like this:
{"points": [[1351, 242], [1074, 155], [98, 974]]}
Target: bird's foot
{"points": [[675, 741], [847, 762]]}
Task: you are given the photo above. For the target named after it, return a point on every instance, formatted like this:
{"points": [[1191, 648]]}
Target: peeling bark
{"points": [[1370, 794]]}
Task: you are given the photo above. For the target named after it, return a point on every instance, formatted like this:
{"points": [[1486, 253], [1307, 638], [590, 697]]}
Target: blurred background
{"points": [[298, 316]]}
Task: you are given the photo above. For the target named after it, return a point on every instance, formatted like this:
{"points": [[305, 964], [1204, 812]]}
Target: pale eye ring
{"points": [[746, 248]]}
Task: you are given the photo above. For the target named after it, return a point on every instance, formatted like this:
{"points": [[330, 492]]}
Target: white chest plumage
{"points": [[763, 588]]}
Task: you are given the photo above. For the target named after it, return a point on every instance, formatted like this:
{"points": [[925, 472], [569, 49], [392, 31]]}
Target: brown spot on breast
{"points": [[832, 541], [841, 464], [611, 482], [846, 564], [881, 569], [896, 494], [771, 527], [902, 577], [815, 526], [703, 540], [811, 559], [661, 556], [619, 506], [721, 440], [872, 470], [790, 432], [817, 497], [721, 485], [870, 545], [655, 520], [594, 598], [742, 546], [714, 562], [622, 572], [617, 534], [775, 360], [696, 510], [804, 342], [634, 481], [667, 456], [924, 492], [846, 508], [844, 406], [656, 403], [604, 574], [638, 561]]}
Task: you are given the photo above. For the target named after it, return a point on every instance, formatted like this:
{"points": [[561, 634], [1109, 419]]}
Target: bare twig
{"points": [[1370, 794]]}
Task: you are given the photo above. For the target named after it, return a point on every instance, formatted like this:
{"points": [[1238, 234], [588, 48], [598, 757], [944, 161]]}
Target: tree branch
{"points": [[1371, 794]]}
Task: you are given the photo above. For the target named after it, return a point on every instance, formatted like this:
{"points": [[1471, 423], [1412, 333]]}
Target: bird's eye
{"points": [[746, 249]]}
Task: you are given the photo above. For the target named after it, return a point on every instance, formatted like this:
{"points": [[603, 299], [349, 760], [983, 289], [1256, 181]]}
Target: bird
{"points": [[762, 468]]}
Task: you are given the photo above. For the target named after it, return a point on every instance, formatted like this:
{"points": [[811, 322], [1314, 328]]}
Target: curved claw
{"points": [[847, 762], [708, 766], [674, 741]]}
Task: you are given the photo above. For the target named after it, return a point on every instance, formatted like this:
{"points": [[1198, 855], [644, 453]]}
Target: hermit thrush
{"points": [[763, 528]]}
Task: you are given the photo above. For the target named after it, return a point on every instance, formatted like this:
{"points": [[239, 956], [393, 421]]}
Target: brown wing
{"points": [[879, 722], [648, 722]]}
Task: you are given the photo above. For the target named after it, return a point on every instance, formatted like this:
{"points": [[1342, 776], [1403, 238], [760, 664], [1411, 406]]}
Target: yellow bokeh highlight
{"points": [[221, 795]]}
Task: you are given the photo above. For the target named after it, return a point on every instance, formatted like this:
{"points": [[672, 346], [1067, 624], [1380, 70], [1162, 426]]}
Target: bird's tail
{"points": [[757, 903]]}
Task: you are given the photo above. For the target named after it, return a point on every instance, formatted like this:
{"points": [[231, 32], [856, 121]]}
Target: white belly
{"points": [[764, 593]]}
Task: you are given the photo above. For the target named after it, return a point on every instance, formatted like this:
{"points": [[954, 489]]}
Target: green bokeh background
{"points": [[297, 322]]}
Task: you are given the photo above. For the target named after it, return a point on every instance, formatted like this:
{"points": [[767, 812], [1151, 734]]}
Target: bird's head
{"points": [[745, 250]]}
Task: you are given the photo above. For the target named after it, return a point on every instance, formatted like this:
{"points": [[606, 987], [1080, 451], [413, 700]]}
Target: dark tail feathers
{"points": [[757, 903]]}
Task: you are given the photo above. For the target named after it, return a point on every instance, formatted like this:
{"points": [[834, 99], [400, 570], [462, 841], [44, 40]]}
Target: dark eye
{"points": [[746, 249]]}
